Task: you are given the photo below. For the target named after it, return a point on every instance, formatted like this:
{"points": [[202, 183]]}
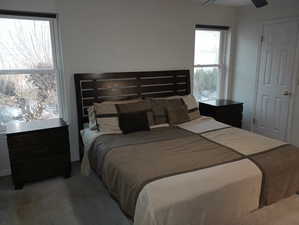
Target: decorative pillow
{"points": [[140, 106], [92, 118], [107, 115], [192, 105], [177, 111], [133, 122], [159, 110]]}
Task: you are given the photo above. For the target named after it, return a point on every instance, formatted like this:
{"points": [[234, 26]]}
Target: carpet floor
{"points": [[78, 200], [83, 200]]}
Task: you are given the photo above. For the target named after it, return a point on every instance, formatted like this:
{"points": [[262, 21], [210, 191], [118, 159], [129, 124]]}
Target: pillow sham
{"points": [[140, 106], [133, 122], [192, 106], [159, 110], [177, 111], [107, 115]]}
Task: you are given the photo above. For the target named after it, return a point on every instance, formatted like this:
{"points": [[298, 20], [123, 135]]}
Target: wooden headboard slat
{"points": [[91, 88]]}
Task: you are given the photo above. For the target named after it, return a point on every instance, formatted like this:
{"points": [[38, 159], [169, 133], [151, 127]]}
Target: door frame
{"points": [[295, 76]]}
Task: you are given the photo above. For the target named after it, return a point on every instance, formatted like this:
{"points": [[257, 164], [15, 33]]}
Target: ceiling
{"points": [[234, 2], [229, 2]]}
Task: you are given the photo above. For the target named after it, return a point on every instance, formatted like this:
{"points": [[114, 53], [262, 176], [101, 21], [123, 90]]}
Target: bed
{"points": [[199, 172]]}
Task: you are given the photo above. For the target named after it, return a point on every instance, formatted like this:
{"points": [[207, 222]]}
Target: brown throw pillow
{"points": [[141, 106], [133, 122], [177, 111], [107, 115]]}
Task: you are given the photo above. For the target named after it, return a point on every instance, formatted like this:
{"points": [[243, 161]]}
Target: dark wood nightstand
{"points": [[225, 111], [38, 150]]}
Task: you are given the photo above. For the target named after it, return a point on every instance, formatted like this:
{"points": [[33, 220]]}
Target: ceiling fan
{"points": [[257, 3]]}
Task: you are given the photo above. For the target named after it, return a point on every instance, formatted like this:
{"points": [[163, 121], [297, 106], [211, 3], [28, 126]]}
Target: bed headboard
{"points": [[91, 88]]}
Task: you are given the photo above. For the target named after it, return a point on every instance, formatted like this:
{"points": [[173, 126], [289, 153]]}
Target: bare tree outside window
{"points": [[205, 83], [28, 89]]}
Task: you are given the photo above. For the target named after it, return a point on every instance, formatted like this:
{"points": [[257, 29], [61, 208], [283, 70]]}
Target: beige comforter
{"points": [[172, 176]]}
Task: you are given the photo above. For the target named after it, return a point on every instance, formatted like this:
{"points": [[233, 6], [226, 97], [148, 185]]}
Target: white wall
{"points": [[248, 37], [124, 35]]}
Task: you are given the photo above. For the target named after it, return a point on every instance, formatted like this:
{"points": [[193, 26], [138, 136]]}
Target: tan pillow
{"points": [[177, 111], [107, 118], [192, 105], [159, 111], [107, 115]]}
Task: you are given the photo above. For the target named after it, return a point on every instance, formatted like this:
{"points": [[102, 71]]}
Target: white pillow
{"points": [[92, 121]]}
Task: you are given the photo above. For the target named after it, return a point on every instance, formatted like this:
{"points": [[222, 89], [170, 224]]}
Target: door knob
{"points": [[287, 93]]}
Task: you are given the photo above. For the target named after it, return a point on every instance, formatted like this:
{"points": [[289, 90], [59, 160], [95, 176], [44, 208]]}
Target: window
{"points": [[209, 62], [28, 69]]}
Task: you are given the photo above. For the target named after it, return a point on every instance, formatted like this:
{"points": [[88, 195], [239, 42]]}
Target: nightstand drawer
{"points": [[37, 151], [40, 168], [228, 114], [18, 141]]}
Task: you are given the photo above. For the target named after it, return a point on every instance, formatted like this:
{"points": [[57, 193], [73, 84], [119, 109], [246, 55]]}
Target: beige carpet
{"points": [[84, 201], [75, 201]]}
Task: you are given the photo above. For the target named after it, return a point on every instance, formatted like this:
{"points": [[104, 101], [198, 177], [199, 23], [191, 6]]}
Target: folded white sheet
{"points": [[202, 124], [243, 141], [213, 196]]}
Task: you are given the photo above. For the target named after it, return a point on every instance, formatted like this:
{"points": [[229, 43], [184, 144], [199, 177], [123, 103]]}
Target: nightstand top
{"points": [[220, 102], [22, 127]]}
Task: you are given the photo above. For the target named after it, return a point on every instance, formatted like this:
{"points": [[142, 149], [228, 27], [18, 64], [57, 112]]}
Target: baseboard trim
{"points": [[5, 172]]}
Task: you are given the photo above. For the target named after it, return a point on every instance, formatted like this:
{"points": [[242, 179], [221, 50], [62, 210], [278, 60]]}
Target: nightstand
{"points": [[38, 150], [225, 111]]}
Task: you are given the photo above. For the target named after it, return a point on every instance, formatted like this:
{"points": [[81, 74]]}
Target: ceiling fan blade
{"points": [[259, 3], [207, 2]]}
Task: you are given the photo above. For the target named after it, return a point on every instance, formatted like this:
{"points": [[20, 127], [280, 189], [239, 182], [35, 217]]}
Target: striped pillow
{"points": [[192, 105], [107, 116]]}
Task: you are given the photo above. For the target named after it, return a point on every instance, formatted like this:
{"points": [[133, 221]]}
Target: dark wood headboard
{"points": [[91, 88]]}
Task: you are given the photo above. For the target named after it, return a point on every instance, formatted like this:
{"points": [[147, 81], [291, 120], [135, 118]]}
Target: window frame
{"points": [[222, 65], [56, 53]]}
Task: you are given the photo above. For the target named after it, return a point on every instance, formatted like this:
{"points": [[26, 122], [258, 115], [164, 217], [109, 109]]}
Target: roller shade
{"points": [[29, 14], [211, 27]]}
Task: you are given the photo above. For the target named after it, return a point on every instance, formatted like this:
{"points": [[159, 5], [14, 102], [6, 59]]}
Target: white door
{"points": [[277, 65]]}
